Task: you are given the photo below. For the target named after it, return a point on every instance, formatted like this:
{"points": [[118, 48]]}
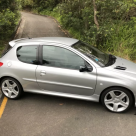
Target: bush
{"points": [[8, 17], [8, 21]]}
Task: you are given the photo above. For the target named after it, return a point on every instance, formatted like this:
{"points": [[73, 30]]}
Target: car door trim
{"points": [[26, 79], [56, 83], [70, 85]]}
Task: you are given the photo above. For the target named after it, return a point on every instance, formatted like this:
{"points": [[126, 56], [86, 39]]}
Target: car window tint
{"points": [[27, 54], [61, 57]]}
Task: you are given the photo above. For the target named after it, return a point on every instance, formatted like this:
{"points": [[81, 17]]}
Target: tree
{"points": [[95, 15]]}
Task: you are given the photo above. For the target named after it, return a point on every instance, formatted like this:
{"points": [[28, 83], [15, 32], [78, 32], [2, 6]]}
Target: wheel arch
{"points": [[10, 77], [118, 87]]}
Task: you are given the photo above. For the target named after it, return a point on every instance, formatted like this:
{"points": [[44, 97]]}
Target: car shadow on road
{"points": [[69, 103]]}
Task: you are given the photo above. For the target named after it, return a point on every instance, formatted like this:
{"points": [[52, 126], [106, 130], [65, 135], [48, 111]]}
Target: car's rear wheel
{"points": [[117, 99], [11, 88]]}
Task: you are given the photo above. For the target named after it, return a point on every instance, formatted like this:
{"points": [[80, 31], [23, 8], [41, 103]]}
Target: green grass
{"points": [[122, 41]]}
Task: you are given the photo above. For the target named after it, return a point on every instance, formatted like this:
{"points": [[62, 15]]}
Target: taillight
{"points": [[1, 64]]}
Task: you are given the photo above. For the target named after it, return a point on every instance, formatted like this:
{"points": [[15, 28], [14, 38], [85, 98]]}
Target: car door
{"points": [[59, 72], [25, 66]]}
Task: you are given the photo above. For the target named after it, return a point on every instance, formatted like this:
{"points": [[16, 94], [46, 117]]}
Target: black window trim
{"points": [[40, 54]]}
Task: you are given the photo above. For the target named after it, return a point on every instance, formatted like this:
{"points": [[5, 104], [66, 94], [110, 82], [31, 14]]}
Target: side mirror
{"points": [[82, 69], [88, 69]]}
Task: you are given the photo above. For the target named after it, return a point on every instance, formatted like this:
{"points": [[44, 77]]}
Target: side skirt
{"points": [[93, 97]]}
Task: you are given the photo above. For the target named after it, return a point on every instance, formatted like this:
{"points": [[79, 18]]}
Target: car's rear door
{"points": [[60, 72]]}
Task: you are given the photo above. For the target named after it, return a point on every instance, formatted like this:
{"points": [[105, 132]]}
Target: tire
{"points": [[11, 88], [117, 99]]}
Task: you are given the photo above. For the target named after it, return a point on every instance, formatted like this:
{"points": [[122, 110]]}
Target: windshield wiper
{"points": [[111, 61]]}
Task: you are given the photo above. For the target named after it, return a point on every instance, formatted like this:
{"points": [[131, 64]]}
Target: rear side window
{"points": [[27, 54]]}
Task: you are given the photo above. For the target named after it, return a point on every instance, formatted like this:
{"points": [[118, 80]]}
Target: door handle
{"points": [[42, 73]]}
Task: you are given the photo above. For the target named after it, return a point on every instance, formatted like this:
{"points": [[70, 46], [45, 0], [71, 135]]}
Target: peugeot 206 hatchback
{"points": [[70, 68]]}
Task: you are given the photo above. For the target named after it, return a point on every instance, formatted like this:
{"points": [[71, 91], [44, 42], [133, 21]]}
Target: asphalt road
{"points": [[38, 26], [42, 115]]}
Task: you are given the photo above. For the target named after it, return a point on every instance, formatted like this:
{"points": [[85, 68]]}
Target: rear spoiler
{"points": [[12, 43]]}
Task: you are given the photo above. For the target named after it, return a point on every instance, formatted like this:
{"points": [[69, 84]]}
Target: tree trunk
{"points": [[95, 15]]}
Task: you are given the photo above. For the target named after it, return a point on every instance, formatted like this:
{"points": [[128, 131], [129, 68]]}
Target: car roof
{"points": [[62, 40]]}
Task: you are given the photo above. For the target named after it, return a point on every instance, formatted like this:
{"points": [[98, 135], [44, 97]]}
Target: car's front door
{"points": [[60, 72]]}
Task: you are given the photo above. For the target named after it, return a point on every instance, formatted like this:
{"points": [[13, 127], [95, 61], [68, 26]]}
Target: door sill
{"points": [[93, 97]]}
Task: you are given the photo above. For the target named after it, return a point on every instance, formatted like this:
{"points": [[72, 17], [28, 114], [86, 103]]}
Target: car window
{"points": [[93, 53], [61, 57], [27, 54]]}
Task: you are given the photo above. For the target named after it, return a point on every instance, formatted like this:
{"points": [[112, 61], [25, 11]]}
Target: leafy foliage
{"points": [[8, 17], [116, 18], [27, 3], [39, 5]]}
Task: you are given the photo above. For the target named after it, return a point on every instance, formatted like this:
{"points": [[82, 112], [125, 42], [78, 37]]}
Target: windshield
{"points": [[96, 55]]}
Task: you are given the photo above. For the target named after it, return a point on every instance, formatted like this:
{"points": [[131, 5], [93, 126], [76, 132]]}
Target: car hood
{"points": [[124, 65]]}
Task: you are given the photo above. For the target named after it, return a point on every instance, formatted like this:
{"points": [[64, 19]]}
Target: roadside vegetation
{"points": [[9, 17], [110, 25]]}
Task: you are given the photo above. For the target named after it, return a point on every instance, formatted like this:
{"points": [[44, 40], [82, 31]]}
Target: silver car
{"points": [[70, 68]]}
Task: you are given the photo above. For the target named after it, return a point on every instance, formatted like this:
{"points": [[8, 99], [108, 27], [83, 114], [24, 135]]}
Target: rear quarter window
{"points": [[27, 54]]}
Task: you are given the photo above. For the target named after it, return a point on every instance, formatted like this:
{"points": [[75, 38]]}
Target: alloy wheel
{"points": [[10, 88], [116, 100]]}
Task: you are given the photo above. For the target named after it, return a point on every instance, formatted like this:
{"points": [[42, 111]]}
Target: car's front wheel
{"points": [[11, 88], [117, 99]]}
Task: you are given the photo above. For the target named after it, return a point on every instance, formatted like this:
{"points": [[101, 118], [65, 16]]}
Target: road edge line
{"points": [[3, 105]]}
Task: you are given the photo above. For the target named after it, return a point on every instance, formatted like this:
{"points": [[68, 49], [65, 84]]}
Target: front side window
{"points": [[60, 57], [27, 54]]}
